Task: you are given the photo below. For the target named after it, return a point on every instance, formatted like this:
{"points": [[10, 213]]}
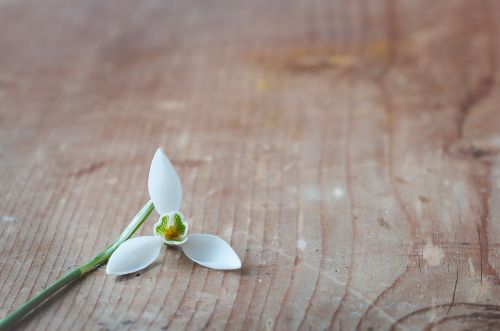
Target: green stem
{"points": [[11, 319]]}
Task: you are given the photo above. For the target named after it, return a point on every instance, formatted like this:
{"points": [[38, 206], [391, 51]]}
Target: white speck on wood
{"points": [[338, 193], [432, 254], [8, 218]]}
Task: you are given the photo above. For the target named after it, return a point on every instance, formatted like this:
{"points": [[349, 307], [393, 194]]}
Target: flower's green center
{"points": [[171, 227], [171, 233]]}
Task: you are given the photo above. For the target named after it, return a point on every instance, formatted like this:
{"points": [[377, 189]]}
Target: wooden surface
{"points": [[348, 150]]}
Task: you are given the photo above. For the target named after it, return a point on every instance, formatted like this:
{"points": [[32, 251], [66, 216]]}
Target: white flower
{"points": [[165, 191]]}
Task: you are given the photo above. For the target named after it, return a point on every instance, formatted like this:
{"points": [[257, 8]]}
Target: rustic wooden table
{"points": [[348, 150]]}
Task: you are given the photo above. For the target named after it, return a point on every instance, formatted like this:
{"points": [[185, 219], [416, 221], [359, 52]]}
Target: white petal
{"points": [[211, 251], [133, 255], [164, 185]]}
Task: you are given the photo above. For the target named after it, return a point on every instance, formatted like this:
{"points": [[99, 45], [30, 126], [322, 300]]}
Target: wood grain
{"points": [[348, 150]]}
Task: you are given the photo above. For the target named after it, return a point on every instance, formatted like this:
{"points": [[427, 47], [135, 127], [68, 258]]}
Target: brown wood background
{"points": [[348, 150]]}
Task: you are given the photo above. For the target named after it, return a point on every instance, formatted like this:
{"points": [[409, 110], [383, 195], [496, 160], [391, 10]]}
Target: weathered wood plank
{"points": [[347, 150]]}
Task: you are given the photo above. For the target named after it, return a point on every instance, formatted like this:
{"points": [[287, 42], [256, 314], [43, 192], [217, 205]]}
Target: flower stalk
{"points": [[102, 257]]}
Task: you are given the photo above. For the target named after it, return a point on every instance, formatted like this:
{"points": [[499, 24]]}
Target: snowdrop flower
{"points": [[172, 228]]}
